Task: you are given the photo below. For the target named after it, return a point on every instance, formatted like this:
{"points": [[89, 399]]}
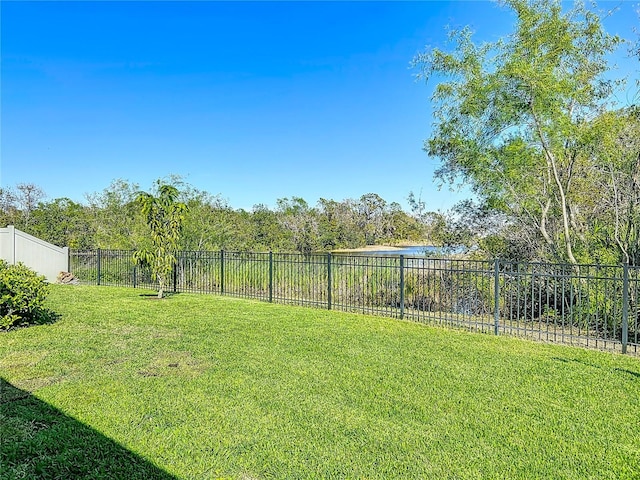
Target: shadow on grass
{"points": [[630, 372], [155, 295], [622, 370], [39, 441], [43, 317], [47, 317]]}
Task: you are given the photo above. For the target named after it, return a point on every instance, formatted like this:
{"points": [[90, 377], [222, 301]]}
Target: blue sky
{"points": [[254, 101]]}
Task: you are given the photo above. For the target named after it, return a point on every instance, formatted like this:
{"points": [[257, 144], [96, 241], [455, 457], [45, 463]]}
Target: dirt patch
{"points": [[175, 363], [32, 384], [27, 358], [125, 335]]}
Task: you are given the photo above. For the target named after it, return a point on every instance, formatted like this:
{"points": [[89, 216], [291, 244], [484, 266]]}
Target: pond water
{"points": [[409, 251]]}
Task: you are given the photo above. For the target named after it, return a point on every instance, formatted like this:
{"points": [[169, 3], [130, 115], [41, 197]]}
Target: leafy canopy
{"points": [[514, 118], [164, 216]]}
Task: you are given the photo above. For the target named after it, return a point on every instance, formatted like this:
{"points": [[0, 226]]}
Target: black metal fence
{"points": [[588, 305]]}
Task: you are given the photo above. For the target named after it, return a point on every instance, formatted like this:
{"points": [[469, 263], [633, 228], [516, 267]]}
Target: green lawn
{"points": [[196, 386]]}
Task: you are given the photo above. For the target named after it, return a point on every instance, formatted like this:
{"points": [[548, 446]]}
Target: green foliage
{"points": [[22, 296], [164, 216], [113, 219], [265, 232], [519, 120], [209, 222], [63, 222], [300, 222]]}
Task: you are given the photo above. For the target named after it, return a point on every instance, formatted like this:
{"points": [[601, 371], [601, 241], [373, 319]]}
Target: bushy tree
{"points": [[339, 224], [115, 217], [300, 222], [63, 222], [22, 296], [266, 232], [164, 216], [515, 118], [208, 222]]}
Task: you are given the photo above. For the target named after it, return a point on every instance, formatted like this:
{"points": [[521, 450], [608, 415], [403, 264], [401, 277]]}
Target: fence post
{"points": [[496, 295], [625, 306], [329, 287], [270, 276], [175, 276], [135, 276], [99, 261], [401, 286], [221, 272]]}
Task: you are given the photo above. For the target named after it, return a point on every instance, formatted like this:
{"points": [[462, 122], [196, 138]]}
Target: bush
{"points": [[22, 296]]}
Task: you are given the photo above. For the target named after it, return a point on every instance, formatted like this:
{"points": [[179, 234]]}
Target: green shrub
{"points": [[22, 296]]}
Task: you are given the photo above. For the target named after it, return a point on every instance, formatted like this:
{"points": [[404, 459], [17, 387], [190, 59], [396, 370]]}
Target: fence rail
{"points": [[588, 305]]}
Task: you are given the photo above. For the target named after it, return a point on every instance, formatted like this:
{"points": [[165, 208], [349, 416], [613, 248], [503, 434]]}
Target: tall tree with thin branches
{"points": [[514, 118]]}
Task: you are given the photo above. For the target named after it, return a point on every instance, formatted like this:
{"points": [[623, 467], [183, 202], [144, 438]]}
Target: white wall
{"points": [[43, 257], [6, 244]]}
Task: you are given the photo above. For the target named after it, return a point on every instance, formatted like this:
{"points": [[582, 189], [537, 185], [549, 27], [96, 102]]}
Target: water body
{"points": [[409, 251]]}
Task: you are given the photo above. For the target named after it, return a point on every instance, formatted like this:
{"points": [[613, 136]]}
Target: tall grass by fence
{"points": [[588, 305]]}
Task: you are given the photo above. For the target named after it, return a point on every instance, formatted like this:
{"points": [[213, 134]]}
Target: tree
{"points": [[164, 216], [266, 232], [616, 175], [300, 222], [514, 118], [339, 224], [8, 208], [63, 222], [371, 209], [17, 205], [116, 218], [209, 221]]}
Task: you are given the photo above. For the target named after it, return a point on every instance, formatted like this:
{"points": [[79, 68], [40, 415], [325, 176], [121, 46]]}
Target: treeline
{"points": [[111, 219]]}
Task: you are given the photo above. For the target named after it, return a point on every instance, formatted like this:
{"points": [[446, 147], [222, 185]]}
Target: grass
{"points": [[196, 386]]}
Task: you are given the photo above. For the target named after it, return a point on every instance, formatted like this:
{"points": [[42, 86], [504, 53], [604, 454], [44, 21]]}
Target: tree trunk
{"points": [[160, 286], [552, 165]]}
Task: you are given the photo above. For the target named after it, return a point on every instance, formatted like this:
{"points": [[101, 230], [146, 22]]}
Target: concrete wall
{"points": [[43, 257]]}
